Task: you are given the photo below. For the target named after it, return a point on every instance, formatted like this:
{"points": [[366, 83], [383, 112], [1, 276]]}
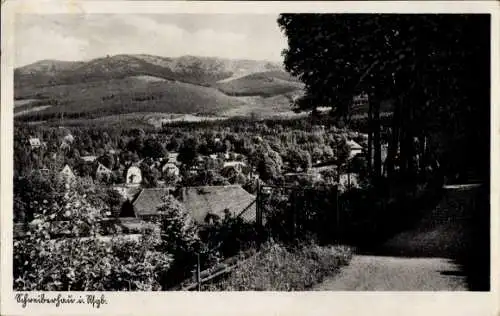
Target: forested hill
{"points": [[144, 83]]}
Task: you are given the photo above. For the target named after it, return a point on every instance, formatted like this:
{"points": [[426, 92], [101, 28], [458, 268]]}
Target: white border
{"points": [[249, 303]]}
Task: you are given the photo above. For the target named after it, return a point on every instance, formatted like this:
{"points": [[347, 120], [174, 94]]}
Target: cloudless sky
{"points": [[82, 37]]}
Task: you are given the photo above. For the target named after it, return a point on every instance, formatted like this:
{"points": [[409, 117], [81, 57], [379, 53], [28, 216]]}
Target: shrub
{"points": [[84, 261], [179, 237], [276, 268]]}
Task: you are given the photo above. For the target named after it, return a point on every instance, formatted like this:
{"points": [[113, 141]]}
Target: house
{"points": [[171, 169], [354, 148], [88, 158], [212, 201], [102, 172], [134, 176], [34, 142], [146, 203], [239, 166], [67, 174], [172, 158]]}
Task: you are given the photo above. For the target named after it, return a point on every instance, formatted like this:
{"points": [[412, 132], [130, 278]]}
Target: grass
{"points": [[277, 268], [264, 84]]}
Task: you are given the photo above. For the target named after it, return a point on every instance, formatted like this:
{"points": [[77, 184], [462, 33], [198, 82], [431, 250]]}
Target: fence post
{"points": [[258, 210], [198, 272], [337, 213]]}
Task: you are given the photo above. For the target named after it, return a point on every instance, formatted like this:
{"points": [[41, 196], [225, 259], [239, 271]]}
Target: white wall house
{"points": [[237, 165], [66, 173], [134, 175]]}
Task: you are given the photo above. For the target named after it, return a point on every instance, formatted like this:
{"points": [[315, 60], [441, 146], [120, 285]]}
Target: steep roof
{"points": [[66, 171], [353, 145], [102, 168], [204, 200], [148, 200]]}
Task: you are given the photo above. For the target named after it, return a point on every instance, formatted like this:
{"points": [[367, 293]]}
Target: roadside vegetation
{"points": [[277, 267]]}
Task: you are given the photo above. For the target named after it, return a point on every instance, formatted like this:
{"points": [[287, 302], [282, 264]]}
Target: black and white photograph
{"points": [[289, 152]]}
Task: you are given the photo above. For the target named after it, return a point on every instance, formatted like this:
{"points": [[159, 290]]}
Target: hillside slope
{"points": [[190, 69], [268, 83], [132, 94], [122, 84]]}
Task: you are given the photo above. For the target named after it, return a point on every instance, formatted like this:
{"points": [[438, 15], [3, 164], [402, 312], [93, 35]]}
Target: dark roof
{"points": [[148, 200], [204, 200]]}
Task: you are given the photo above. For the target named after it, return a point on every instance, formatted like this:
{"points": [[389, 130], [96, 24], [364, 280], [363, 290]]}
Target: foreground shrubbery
{"points": [[276, 268], [84, 260]]}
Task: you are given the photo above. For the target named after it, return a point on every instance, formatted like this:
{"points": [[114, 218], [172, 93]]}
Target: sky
{"points": [[75, 37]]}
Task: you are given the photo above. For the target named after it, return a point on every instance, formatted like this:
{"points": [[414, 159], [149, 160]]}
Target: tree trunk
{"points": [[394, 142], [377, 160], [370, 136]]}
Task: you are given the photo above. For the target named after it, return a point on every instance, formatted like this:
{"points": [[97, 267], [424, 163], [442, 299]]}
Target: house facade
{"points": [[34, 142], [354, 148], [67, 174], [133, 176]]}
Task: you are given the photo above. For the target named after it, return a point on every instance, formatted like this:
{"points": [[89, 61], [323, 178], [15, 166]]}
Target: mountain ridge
{"points": [[126, 83], [188, 68]]}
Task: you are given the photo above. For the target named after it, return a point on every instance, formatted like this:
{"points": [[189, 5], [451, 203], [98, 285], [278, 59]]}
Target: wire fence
{"points": [[285, 213]]}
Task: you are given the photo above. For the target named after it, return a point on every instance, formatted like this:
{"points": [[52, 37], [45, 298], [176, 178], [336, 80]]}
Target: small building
{"points": [[354, 148], [172, 158], [102, 173], [133, 176], [67, 174], [88, 158], [239, 166], [34, 142]]}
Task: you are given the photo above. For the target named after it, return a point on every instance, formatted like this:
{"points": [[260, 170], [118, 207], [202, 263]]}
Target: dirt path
{"points": [[379, 273], [415, 260]]}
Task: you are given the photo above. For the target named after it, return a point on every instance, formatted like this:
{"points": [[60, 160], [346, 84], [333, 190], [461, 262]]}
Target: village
{"points": [[139, 202], [353, 155]]}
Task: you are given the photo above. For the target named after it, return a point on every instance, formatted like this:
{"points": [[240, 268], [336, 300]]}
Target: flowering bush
{"points": [[84, 259]]}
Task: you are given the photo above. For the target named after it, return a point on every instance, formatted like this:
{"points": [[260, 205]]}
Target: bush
{"points": [[83, 260], [276, 268], [179, 237]]}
